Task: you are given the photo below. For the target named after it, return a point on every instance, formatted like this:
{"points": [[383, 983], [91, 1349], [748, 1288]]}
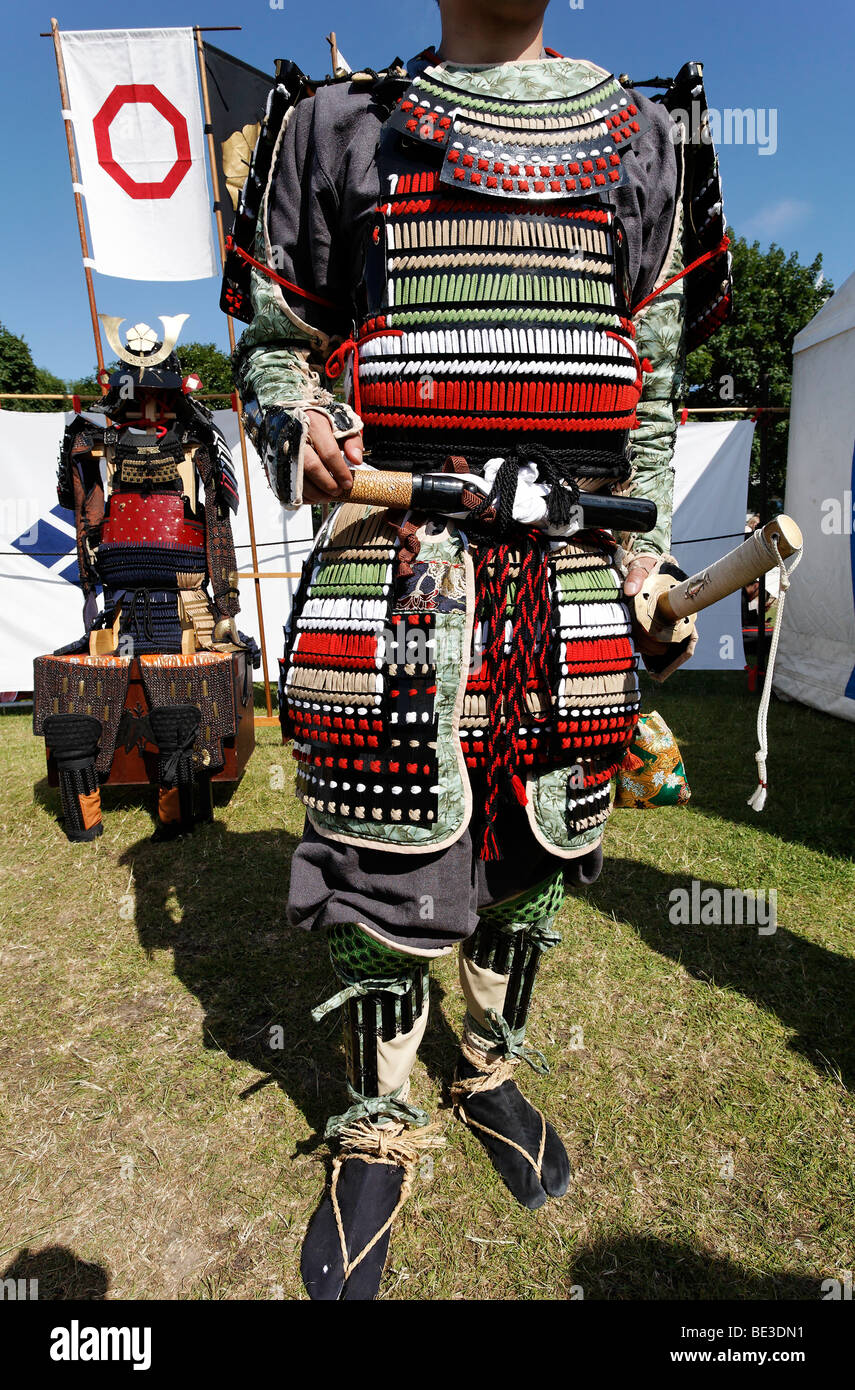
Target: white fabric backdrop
{"points": [[139, 234], [41, 607], [816, 656], [710, 494]]}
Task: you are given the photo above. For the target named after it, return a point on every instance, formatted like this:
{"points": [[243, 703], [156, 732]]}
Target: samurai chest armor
{"points": [[496, 321], [152, 539], [496, 280]]}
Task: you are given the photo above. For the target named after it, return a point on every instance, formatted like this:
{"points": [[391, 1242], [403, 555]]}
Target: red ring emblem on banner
{"points": [[132, 94]]}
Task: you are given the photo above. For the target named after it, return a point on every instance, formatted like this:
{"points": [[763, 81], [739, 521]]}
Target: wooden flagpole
{"points": [[78, 198], [218, 212]]}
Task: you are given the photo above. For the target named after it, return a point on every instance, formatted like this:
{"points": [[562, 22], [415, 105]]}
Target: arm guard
{"points": [[281, 436], [80, 488]]}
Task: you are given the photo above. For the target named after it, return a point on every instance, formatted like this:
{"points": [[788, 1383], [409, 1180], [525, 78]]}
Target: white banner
{"points": [[710, 499], [134, 96], [40, 602]]}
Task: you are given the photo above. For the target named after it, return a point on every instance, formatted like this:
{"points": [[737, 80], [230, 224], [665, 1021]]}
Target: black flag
{"points": [[238, 95]]}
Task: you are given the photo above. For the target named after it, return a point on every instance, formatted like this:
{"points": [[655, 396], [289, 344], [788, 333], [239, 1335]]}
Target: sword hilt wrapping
{"points": [[732, 572], [381, 488]]}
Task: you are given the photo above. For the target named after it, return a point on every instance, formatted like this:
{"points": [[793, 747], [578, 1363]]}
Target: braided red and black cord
{"points": [[514, 667]]}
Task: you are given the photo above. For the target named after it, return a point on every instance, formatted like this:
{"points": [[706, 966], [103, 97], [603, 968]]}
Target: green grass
{"points": [[153, 1145]]}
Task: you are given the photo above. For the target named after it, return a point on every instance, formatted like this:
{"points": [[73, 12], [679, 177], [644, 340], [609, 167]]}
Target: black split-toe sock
{"points": [[367, 1194], [506, 1112]]}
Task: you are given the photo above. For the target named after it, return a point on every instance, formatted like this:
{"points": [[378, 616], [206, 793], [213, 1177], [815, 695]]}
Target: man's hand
{"points": [[641, 567], [638, 571], [326, 467]]}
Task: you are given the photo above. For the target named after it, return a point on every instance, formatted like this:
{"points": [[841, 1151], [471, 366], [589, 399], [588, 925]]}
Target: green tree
{"points": [[17, 369], [18, 372], [774, 297], [48, 383], [210, 364]]}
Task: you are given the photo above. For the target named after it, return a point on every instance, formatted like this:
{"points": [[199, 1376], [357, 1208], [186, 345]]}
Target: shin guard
{"points": [[73, 740], [499, 965], [174, 728], [384, 1006]]}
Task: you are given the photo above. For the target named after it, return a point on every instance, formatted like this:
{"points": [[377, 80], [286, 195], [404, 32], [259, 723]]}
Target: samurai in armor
{"points": [[497, 252], [152, 494]]}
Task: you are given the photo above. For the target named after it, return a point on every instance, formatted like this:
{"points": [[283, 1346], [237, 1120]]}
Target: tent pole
{"points": [[78, 198], [218, 212]]}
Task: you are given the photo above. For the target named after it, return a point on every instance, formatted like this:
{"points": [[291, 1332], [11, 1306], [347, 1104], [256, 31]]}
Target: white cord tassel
{"points": [[758, 800]]}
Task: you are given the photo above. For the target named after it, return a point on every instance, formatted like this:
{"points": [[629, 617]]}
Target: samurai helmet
{"points": [[146, 363]]}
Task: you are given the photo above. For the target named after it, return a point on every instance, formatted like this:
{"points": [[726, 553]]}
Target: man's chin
{"points": [[511, 12]]}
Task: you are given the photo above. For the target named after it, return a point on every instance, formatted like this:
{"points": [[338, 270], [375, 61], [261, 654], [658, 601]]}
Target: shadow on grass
{"points": [[216, 900], [809, 988], [641, 1267], [714, 719], [58, 1273]]}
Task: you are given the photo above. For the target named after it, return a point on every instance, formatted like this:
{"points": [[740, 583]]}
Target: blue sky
{"points": [[789, 56]]}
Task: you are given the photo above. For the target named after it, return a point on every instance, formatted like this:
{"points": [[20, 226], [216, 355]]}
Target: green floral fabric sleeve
{"points": [[273, 360], [660, 338]]}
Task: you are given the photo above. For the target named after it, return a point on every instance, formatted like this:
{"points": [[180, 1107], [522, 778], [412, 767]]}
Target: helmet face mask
{"points": [[150, 406]]}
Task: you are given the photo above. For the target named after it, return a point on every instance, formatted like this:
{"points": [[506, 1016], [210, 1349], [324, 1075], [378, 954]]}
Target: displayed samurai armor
{"points": [[152, 494], [483, 272]]}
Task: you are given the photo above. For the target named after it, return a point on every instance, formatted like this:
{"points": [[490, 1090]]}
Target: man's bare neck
{"points": [[471, 47]]}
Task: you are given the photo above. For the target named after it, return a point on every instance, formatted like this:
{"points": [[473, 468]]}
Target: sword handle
{"points": [[381, 488], [732, 572], [431, 492], [442, 492]]}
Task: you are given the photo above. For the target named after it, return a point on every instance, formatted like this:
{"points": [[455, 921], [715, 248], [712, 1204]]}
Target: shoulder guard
{"points": [[547, 150], [227, 488], [291, 85], [80, 437], [212, 452], [709, 287]]}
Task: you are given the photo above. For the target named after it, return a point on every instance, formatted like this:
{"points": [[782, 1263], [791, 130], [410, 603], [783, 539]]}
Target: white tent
{"points": [[816, 656]]}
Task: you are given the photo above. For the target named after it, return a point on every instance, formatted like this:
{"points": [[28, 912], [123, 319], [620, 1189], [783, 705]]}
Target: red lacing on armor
{"points": [[353, 651], [708, 256], [160, 430], [509, 422], [422, 182], [435, 203], [598, 654], [485, 400], [336, 360], [271, 275]]}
